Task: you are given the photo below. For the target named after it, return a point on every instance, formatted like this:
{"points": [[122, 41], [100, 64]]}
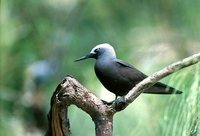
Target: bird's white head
{"points": [[102, 51]]}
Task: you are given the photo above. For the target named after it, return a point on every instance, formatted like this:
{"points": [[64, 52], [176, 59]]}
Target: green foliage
{"points": [[182, 118], [51, 34]]}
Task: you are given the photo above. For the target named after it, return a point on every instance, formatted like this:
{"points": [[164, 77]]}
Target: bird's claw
{"points": [[120, 100]]}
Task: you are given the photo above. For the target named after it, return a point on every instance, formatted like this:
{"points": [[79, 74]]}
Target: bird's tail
{"points": [[160, 88]]}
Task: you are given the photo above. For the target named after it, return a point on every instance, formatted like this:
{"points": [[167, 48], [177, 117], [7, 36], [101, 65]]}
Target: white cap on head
{"points": [[109, 50]]}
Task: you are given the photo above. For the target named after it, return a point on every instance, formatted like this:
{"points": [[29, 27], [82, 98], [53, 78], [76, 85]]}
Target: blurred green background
{"points": [[41, 39]]}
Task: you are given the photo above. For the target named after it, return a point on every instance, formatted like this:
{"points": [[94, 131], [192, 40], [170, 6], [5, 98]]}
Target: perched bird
{"points": [[118, 76]]}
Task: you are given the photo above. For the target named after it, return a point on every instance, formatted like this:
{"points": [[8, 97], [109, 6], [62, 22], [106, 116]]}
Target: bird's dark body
{"points": [[120, 77]]}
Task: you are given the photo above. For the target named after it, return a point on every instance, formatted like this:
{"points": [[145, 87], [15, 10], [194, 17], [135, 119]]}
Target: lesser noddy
{"points": [[118, 76]]}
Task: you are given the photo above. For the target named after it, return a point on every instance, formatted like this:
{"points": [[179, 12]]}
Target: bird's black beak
{"points": [[91, 55]]}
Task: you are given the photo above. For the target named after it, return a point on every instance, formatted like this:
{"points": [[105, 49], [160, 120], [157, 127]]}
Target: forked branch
{"points": [[70, 91]]}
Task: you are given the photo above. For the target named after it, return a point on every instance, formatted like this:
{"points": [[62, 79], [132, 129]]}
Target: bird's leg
{"points": [[121, 100], [116, 97]]}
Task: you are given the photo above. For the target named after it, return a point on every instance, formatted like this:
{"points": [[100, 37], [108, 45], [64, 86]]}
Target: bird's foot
{"points": [[120, 100], [120, 103]]}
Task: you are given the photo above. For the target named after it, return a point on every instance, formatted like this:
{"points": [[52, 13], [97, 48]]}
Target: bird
{"points": [[120, 77]]}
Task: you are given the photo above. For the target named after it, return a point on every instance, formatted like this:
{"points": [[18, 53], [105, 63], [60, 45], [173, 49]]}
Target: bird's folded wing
{"points": [[131, 73]]}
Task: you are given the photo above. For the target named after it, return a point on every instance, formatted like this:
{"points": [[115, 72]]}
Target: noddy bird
{"points": [[118, 76]]}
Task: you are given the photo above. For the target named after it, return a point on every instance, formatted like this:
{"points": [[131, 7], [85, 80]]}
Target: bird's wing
{"points": [[124, 64], [135, 76], [131, 73]]}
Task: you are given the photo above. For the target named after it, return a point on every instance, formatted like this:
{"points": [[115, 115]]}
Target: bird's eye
{"points": [[96, 50]]}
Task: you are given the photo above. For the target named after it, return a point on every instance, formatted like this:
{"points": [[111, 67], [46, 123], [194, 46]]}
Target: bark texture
{"points": [[70, 91]]}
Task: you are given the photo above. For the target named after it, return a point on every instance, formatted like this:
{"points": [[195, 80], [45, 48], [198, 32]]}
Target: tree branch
{"points": [[70, 91], [151, 80]]}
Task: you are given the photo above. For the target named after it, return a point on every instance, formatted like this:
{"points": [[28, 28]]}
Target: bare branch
{"points": [[70, 91], [151, 80]]}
